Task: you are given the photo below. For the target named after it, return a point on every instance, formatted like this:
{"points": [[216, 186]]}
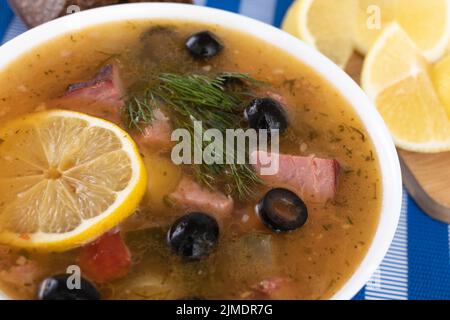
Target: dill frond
{"points": [[138, 110], [201, 98]]}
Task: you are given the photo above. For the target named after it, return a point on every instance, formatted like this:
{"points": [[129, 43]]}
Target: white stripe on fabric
{"points": [[385, 297], [392, 271], [200, 2], [390, 281], [263, 10], [15, 28]]}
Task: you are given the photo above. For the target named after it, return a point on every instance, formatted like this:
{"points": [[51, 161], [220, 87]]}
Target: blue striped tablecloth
{"points": [[417, 265]]}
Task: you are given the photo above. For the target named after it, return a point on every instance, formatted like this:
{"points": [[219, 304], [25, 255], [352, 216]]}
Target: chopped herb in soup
{"points": [[206, 230]]}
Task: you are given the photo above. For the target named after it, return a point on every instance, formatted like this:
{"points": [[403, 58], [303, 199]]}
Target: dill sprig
{"points": [[209, 100], [138, 110]]}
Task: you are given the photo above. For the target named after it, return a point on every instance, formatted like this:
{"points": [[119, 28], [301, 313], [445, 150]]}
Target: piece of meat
{"points": [[105, 86], [191, 195], [19, 271], [103, 97], [100, 97], [105, 259], [157, 134], [313, 179]]}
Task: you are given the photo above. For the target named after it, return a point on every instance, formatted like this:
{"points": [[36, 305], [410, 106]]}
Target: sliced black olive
{"points": [[194, 235], [57, 288], [203, 45], [266, 113], [282, 210]]}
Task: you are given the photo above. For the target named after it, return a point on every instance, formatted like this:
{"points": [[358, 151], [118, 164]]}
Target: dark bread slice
{"points": [[37, 12]]}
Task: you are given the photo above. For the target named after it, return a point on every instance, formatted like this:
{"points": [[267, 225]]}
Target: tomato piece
{"points": [[105, 259]]}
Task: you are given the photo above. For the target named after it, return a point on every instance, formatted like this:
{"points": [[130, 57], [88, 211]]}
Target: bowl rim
{"points": [[335, 76]]}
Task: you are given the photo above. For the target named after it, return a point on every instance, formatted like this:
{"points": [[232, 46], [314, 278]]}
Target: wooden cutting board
{"points": [[425, 176]]}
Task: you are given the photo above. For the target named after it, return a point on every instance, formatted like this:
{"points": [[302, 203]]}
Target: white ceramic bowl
{"points": [[384, 147]]}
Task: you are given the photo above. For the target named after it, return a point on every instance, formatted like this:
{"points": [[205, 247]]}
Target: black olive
{"points": [[203, 45], [56, 288], [194, 235], [282, 210], [266, 113]]}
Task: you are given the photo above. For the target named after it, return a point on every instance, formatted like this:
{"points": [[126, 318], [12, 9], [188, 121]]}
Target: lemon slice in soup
{"points": [[65, 178]]}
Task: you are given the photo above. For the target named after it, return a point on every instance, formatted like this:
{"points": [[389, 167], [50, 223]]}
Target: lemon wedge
{"points": [[426, 22], [65, 179], [397, 78], [371, 17], [441, 80], [337, 28], [326, 25]]}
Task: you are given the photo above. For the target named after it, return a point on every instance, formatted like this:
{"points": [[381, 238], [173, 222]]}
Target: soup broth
{"points": [[311, 262]]}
